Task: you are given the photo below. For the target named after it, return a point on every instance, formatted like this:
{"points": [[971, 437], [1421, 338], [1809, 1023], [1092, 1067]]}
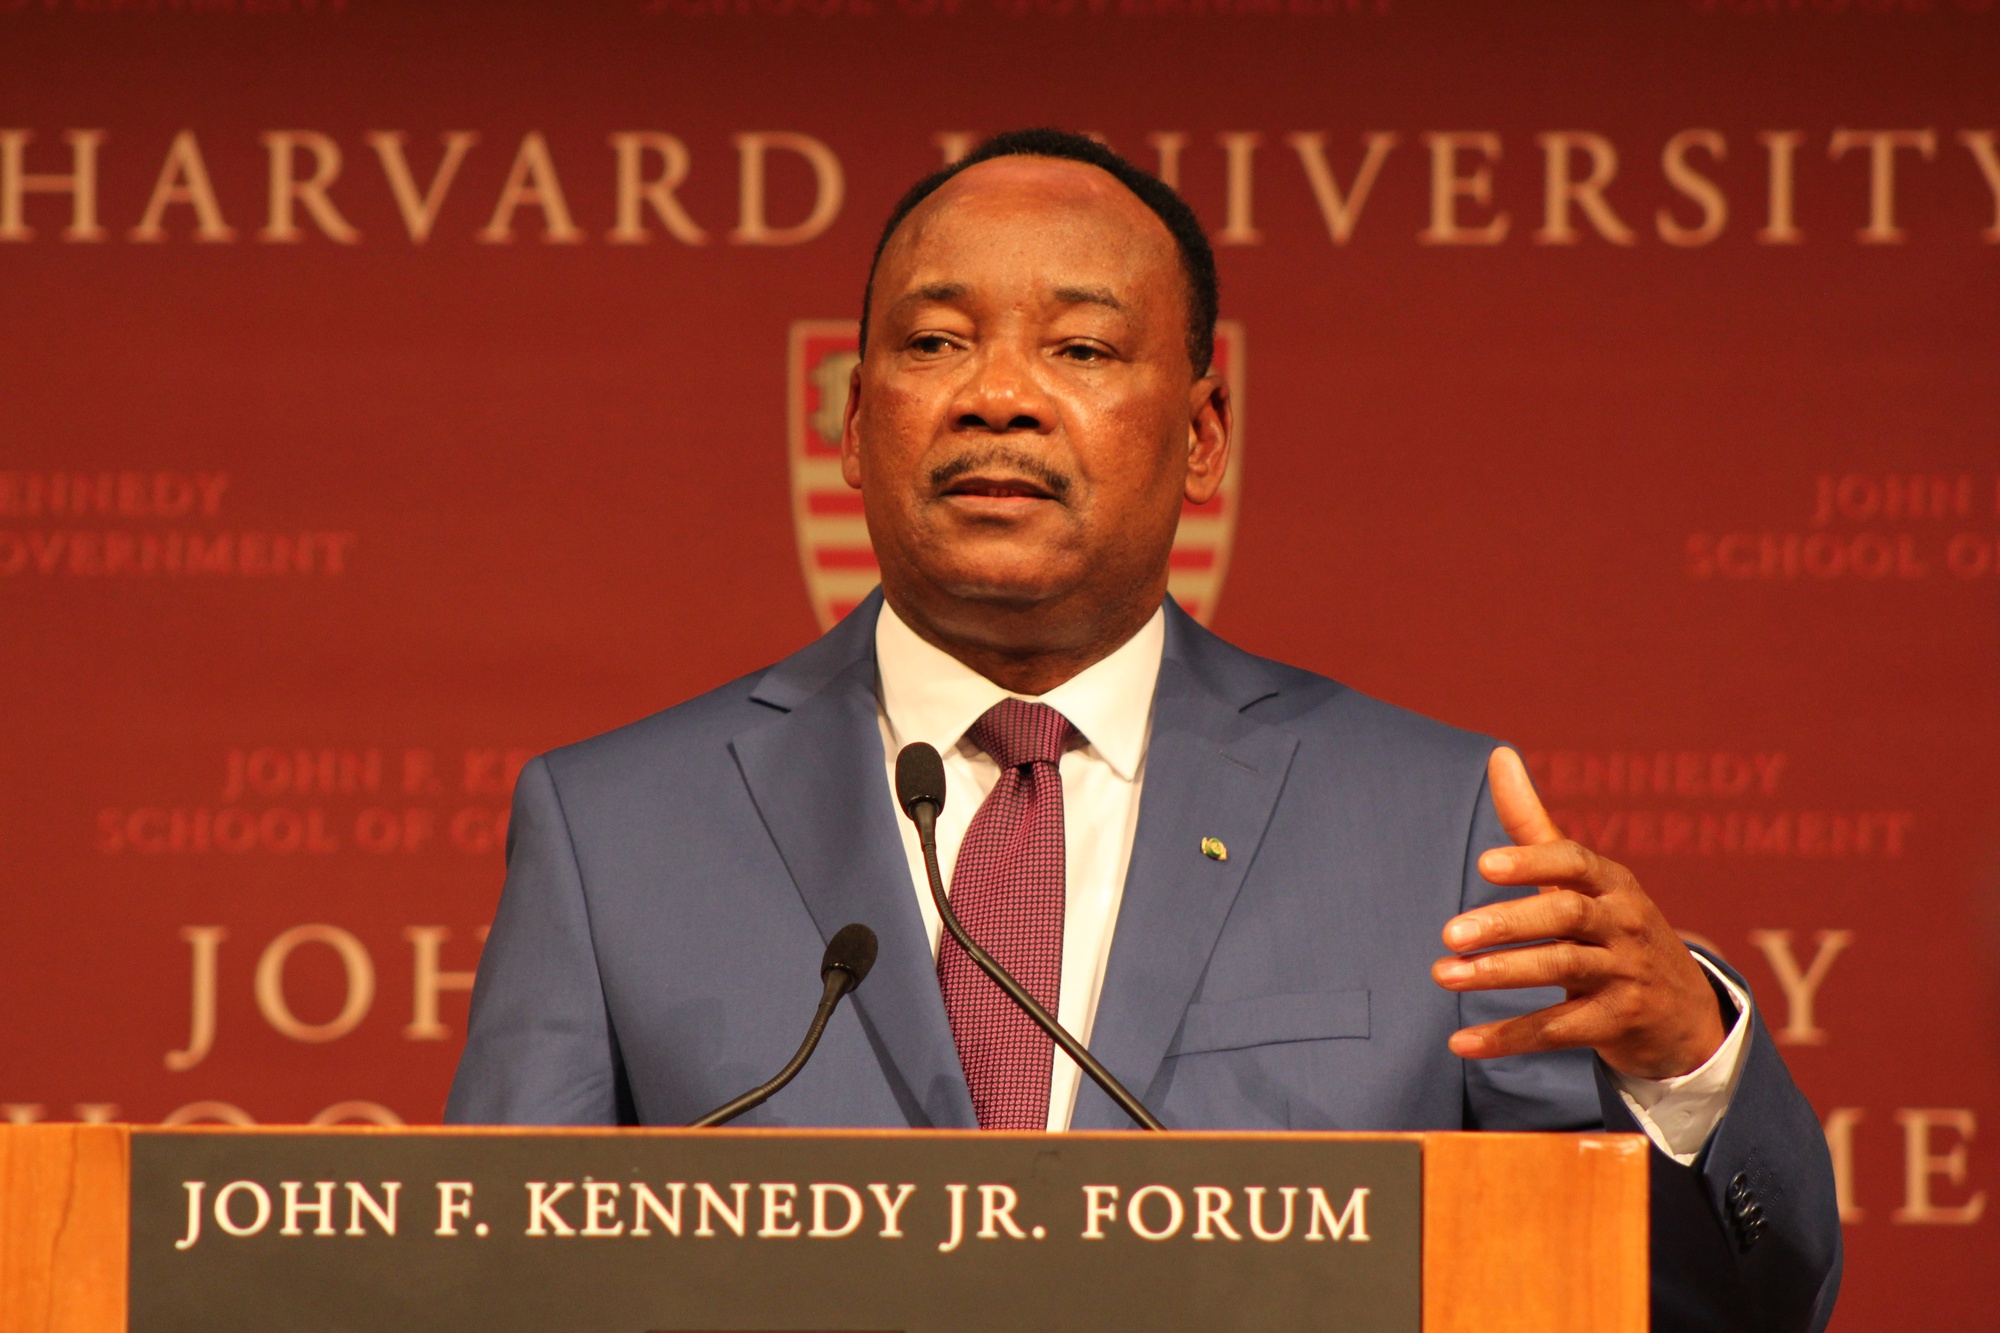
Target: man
{"points": [[1251, 945]]}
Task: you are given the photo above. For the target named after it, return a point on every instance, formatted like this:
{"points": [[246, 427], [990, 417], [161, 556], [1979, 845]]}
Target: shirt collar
{"points": [[929, 695]]}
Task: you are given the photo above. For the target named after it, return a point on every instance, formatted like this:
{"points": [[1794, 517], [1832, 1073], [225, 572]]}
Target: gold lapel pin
{"points": [[1213, 849]]}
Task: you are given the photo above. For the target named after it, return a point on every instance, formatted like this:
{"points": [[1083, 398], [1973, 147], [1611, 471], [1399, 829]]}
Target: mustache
{"points": [[1054, 480]]}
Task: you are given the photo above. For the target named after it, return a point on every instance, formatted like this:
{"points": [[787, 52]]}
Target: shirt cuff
{"points": [[1678, 1114]]}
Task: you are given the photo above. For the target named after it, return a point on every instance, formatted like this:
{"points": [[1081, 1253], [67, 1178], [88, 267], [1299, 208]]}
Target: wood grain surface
{"points": [[1535, 1233], [64, 1200]]}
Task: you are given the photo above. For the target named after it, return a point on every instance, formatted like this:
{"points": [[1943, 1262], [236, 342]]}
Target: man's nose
{"points": [[1004, 395]]}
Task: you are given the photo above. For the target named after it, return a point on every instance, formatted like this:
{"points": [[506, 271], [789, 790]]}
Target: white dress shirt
{"points": [[925, 694]]}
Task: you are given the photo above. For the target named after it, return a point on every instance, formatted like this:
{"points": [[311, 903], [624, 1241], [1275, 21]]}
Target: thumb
{"points": [[1514, 800]]}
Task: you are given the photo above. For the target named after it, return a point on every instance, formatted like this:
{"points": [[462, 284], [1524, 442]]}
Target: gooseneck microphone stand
{"points": [[844, 967], [920, 791]]}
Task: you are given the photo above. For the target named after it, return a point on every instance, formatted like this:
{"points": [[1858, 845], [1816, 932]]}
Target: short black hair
{"points": [[1197, 259]]}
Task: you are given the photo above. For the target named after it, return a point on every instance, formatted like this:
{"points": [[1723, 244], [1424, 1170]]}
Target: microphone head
{"points": [[852, 951], [919, 779]]}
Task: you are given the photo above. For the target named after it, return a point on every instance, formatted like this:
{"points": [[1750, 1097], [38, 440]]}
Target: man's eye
{"points": [[1083, 352], [930, 344]]}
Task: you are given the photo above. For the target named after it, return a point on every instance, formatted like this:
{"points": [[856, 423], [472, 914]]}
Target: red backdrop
{"points": [[1619, 379]]}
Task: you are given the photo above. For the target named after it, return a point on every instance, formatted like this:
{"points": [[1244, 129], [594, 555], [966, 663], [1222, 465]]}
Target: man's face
{"points": [[1025, 425]]}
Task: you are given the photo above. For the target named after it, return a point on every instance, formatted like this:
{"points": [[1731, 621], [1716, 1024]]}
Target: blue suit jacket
{"points": [[672, 885]]}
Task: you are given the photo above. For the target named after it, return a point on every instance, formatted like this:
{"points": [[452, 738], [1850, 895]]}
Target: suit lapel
{"points": [[1210, 772], [816, 773]]}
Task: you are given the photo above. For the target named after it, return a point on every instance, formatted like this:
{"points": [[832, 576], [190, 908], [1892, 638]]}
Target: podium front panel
{"points": [[667, 1231]]}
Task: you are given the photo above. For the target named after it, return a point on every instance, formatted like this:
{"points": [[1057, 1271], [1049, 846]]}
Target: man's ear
{"points": [[850, 437], [1209, 426]]}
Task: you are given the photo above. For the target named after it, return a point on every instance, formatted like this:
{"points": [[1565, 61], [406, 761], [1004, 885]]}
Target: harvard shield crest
{"points": [[834, 554]]}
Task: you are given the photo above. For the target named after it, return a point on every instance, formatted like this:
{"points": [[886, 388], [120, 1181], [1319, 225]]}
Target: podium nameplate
{"points": [[714, 1231]]}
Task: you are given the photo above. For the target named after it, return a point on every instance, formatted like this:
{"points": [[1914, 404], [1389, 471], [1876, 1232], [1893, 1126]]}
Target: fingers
{"points": [[1632, 991], [1559, 914], [1575, 967], [1558, 862], [1541, 855], [1514, 800], [1558, 1027], [1650, 1030]]}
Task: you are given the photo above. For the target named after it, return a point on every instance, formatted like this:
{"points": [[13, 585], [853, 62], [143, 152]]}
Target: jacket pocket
{"points": [[1227, 1025]]}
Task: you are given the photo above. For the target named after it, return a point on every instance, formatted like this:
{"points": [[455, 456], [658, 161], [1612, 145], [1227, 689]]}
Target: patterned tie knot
{"points": [[1016, 732]]}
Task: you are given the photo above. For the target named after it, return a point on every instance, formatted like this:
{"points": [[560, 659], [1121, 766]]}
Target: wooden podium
{"points": [[1541, 1232]]}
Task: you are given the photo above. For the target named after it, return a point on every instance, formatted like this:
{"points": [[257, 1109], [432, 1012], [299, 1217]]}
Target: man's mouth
{"points": [[1000, 475], [999, 488]]}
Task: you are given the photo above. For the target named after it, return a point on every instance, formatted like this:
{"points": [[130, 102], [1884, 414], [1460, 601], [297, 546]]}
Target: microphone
{"points": [[920, 791], [843, 967]]}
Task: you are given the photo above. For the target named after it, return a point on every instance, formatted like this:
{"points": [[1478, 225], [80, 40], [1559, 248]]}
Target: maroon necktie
{"points": [[1007, 891]]}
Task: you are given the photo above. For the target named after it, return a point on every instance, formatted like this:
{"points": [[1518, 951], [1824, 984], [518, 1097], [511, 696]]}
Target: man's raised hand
{"points": [[1634, 993]]}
